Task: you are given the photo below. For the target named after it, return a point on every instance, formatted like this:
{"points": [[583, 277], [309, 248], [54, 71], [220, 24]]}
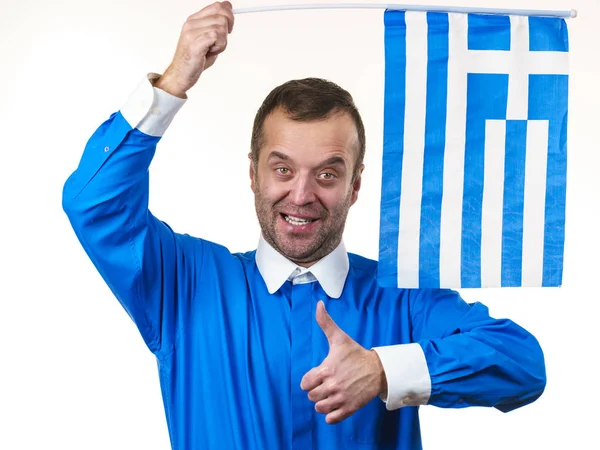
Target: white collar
{"points": [[330, 271]]}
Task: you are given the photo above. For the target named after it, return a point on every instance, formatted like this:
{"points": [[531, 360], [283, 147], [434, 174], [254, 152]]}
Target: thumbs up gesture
{"points": [[347, 379]]}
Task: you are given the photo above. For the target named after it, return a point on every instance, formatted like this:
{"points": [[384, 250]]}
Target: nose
{"points": [[303, 190]]}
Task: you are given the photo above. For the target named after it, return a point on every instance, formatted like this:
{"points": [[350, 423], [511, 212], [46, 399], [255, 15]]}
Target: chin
{"points": [[295, 252]]}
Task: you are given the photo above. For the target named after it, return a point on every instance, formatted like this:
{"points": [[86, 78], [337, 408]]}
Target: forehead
{"points": [[310, 140]]}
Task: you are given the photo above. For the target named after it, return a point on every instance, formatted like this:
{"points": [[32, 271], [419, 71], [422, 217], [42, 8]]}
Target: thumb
{"points": [[334, 334]]}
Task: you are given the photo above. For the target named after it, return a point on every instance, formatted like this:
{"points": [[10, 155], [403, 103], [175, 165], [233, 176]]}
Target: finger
{"points": [[217, 22], [334, 334], [314, 377], [323, 391], [228, 12], [329, 405], [337, 415], [218, 8], [206, 43], [208, 40]]}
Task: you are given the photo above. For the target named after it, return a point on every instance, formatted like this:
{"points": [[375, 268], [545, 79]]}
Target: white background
{"points": [[74, 372]]}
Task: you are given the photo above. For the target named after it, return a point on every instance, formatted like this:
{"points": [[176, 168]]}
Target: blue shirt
{"points": [[231, 350]]}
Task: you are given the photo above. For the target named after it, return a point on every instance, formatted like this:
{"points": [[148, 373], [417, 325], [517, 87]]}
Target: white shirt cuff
{"points": [[408, 380], [149, 109]]}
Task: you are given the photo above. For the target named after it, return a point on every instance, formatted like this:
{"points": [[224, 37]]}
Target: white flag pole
{"points": [[426, 8]]}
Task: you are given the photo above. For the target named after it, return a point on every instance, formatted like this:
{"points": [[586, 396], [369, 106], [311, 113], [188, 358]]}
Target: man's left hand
{"points": [[347, 379]]}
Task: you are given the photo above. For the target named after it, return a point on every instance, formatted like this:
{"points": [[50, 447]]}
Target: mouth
{"points": [[295, 220], [298, 221]]}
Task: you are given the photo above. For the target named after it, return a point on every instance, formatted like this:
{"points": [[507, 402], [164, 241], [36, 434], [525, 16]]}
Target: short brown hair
{"points": [[306, 100]]}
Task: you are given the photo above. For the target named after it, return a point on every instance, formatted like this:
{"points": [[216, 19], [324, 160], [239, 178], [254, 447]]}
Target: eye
{"points": [[282, 170], [328, 176]]}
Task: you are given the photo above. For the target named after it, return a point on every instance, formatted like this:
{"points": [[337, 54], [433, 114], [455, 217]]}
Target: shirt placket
{"points": [[301, 358]]}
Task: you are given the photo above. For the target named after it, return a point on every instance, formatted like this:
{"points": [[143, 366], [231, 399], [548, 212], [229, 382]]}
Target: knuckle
{"points": [[333, 387], [187, 36], [325, 372], [339, 401], [218, 27], [213, 6], [342, 413]]}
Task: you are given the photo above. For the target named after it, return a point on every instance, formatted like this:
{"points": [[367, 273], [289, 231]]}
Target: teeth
{"points": [[297, 220]]}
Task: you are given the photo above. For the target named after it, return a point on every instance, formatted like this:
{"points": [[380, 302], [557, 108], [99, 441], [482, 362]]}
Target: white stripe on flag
{"points": [[492, 204], [536, 160], [414, 144], [518, 79], [454, 153]]}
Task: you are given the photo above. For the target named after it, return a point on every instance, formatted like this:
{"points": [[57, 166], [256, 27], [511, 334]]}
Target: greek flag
{"points": [[474, 157]]}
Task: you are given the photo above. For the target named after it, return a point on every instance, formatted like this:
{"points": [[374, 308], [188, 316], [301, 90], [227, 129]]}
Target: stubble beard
{"points": [[295, 248]]}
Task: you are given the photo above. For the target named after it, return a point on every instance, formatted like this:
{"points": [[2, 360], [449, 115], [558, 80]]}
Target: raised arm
{"points": [[148, 267]]}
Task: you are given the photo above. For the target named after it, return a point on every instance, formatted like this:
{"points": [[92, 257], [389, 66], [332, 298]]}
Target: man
{"points": [[292, 345]]}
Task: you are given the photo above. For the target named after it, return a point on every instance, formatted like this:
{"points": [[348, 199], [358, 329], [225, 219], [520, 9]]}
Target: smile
{"points": [[297, 220]]}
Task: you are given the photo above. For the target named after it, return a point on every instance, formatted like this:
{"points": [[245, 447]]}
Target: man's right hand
{"points": [[203, 37]]}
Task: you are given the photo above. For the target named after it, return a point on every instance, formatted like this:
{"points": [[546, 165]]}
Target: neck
{"points": [[303, 263]]}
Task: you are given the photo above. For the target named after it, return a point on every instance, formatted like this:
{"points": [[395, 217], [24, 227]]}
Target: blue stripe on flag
{"points": [[548, 34], [435, 142], [488, 32], [487, 96], [393, 145], [514, 196], [548, 100]]}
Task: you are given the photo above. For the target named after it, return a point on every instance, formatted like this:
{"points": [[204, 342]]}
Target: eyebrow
{"points": [[333, 161], [276, 154]]}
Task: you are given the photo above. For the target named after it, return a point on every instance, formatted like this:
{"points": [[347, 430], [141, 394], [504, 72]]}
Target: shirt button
{"points": [[107, 149], [155, 111]]}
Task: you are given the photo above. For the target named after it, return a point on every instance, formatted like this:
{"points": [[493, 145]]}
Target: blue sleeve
{"points": [[474, 359], [145, 263]]}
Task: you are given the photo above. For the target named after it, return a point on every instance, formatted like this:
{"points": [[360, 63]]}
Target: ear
{"points": [[252, 174], [356, 185]]}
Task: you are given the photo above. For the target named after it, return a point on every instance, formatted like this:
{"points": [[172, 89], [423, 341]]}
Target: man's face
{"points": [[303, 186]]}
